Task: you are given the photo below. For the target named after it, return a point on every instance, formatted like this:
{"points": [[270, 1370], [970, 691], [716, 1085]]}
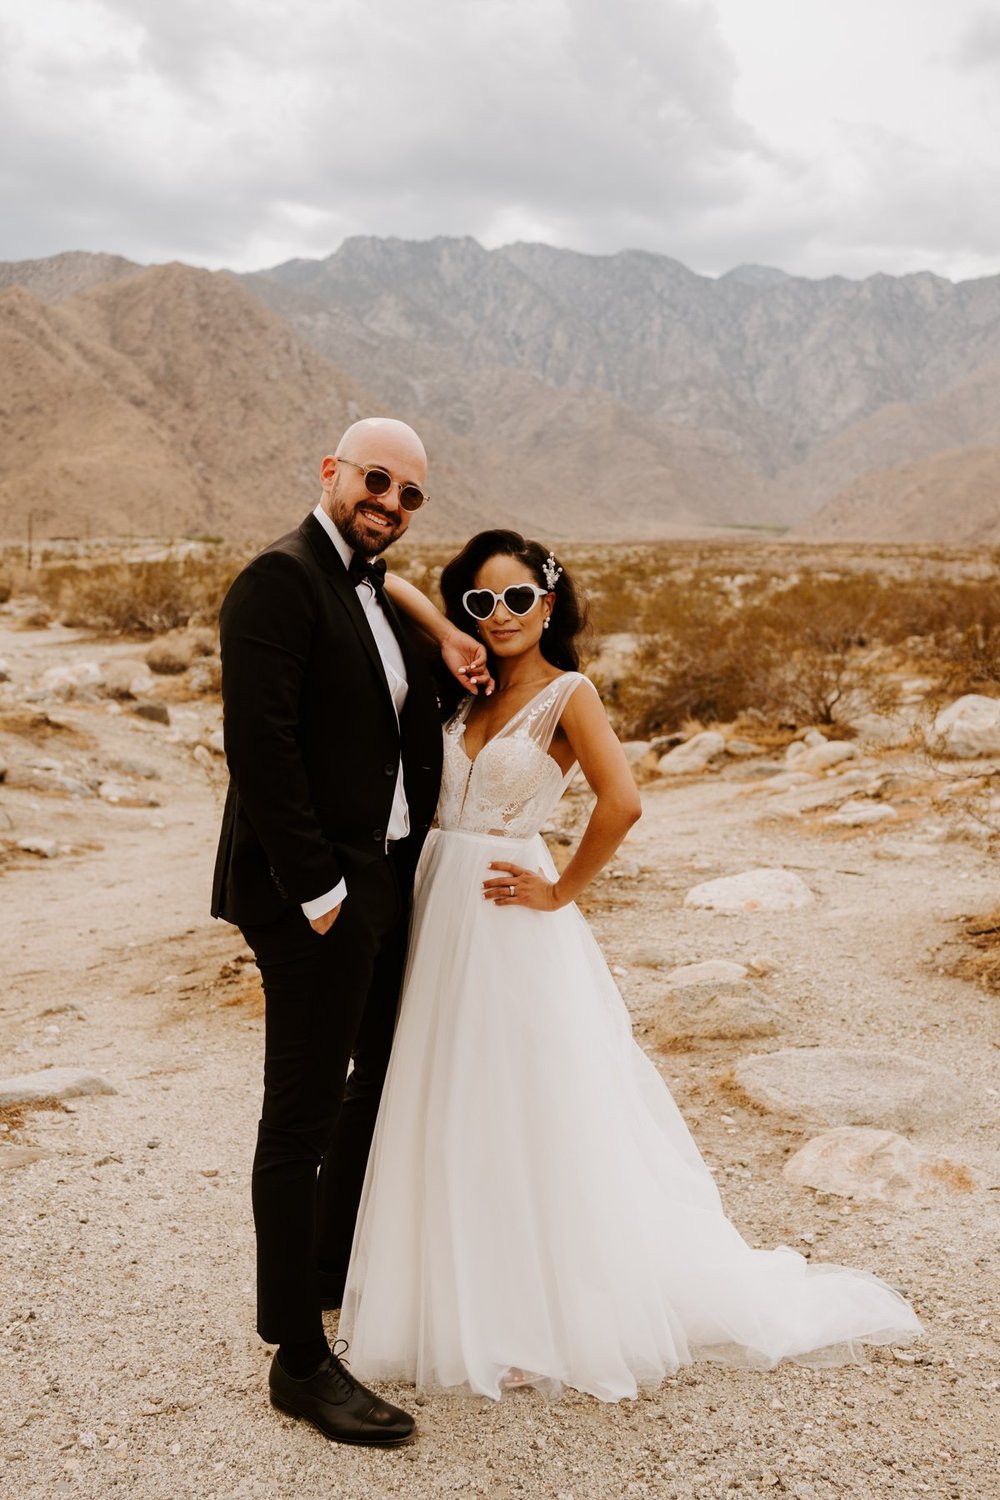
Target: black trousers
{"points": [[328, 1000]]}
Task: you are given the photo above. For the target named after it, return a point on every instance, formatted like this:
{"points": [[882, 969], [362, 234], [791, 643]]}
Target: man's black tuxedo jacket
{"points": [[311, 735]]}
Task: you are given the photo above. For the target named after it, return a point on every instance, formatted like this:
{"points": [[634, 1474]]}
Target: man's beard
{"points": [[361, 540]]}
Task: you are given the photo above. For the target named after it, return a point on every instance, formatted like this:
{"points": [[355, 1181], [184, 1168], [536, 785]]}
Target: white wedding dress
{"points": [[534, 1201]]}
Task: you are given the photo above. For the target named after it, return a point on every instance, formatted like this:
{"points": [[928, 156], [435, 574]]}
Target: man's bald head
{"points": [[372, 433], [371, 522]]}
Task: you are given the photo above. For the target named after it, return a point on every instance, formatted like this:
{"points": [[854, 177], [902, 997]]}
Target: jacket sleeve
{"points": [[267, 626]]}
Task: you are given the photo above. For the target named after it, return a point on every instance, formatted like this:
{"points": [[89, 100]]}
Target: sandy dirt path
{"points": [[128, 1360]]}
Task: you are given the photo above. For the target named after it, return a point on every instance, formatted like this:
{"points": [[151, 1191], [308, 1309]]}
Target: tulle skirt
{"points": [[534, 1201]]}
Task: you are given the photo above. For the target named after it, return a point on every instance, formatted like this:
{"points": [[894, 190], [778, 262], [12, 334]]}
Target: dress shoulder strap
{"points": [[541, 717]]}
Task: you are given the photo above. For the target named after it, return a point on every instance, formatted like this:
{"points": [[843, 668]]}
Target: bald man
{"points": [[334, 748]]}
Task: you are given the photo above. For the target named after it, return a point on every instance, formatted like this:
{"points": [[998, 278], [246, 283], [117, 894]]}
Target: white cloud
{"points": [[241, 132]]}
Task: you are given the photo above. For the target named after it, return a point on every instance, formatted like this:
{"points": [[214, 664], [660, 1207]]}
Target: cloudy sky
{"points": [[822, 136]]}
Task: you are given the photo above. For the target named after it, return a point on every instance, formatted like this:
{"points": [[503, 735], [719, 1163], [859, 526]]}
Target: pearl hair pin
{"points": [[551, 572]]}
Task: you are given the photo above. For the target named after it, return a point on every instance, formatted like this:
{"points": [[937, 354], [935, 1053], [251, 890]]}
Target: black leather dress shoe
{"points": [[340, 1406]]}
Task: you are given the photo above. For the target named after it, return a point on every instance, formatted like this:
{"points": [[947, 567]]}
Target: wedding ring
{"points": [[512, 890]]}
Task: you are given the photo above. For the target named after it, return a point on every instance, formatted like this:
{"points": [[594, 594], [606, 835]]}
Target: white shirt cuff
{"points": [[322, 904]]}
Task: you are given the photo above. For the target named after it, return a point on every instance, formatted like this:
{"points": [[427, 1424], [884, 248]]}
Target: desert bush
{"points": [[139, 598]]}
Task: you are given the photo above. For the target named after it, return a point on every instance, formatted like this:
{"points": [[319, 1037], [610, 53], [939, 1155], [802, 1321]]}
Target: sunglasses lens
{"points": [[377, 481], [410, 498], [479, 603], [519, 598]]}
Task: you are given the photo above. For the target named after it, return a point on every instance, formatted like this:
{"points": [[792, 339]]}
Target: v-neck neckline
{"points": [[508, 722]]}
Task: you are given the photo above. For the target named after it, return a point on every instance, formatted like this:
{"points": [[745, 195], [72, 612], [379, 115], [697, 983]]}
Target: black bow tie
{"points": [[367, 570]]}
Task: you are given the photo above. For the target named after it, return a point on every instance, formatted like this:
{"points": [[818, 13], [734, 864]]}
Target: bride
{"points": [[535, 1210]]}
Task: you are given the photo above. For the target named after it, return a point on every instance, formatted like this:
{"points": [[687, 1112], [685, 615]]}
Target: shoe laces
{"points": [[344, 1383]]}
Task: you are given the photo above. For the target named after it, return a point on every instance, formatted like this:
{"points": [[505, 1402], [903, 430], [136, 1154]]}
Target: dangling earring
{"points": [[545, 623]]}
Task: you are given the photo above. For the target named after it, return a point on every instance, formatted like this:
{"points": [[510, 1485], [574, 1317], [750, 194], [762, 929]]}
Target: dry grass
{"points": [[982, 964], [13, 1116]]}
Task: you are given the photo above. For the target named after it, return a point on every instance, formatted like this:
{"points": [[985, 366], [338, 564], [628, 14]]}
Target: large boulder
{"points": [[694, 755], [753, 890], [875, 1166], [969, 727], [850, 1086]]}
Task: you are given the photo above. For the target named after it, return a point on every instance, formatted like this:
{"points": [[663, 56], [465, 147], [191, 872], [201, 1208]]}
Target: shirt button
{"points": [[390, 770], [378, 834]]}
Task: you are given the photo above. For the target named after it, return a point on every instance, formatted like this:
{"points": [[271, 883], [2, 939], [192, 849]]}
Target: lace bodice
{"points": [[513, 784]]}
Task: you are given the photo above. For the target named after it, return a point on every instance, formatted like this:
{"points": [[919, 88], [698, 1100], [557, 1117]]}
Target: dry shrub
{"points": [[798, 655], [139, 598], [169, 658]]}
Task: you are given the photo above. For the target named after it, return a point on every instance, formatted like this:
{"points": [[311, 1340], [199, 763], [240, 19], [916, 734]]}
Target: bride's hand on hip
{"points": [[520, 887]]}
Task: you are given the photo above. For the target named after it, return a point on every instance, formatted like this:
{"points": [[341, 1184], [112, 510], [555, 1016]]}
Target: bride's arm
{"points": [[602, 760], [462, 654]]}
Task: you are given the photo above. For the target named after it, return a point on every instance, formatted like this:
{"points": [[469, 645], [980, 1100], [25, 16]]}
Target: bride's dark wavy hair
{"points": [[568, 621]]}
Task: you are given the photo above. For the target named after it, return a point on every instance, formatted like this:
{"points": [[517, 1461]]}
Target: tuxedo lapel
{"points": [[346, 594]]}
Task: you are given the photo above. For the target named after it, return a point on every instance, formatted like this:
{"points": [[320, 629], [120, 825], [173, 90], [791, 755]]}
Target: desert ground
{"points": [[129, 1365]]}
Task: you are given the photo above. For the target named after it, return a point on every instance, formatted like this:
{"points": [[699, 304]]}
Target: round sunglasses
{"points": [[518, 598], [379, 481]]}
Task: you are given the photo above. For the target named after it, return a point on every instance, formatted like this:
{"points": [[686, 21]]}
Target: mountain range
{"points": [[575, 396]]}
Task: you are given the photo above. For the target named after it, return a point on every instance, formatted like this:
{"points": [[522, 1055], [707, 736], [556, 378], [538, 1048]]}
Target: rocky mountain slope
{"points": [[590, 396]]}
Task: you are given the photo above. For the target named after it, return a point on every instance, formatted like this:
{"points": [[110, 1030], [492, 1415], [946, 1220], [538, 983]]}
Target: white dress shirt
{"points": [[395, 675]]}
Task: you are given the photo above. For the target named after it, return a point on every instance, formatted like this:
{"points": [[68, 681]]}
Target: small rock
{"points": [[203, 756], [661, 743], [649, 958], [51, 1083], [127, 679], [66, 682], [859, 814], [969, 727], [823, 757], [121, 794], [875, 1166], [709, 971], [47, 848], [742, 748], [637, 751], [760, 965], [30, 779], [694, 755], [785, 780], [830, 1086], [215, 742], [149, 708], [753, 890], [205, 677]]}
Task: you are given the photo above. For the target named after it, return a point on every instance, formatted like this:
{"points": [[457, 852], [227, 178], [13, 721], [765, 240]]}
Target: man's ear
{"points": [[328, 468]]}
